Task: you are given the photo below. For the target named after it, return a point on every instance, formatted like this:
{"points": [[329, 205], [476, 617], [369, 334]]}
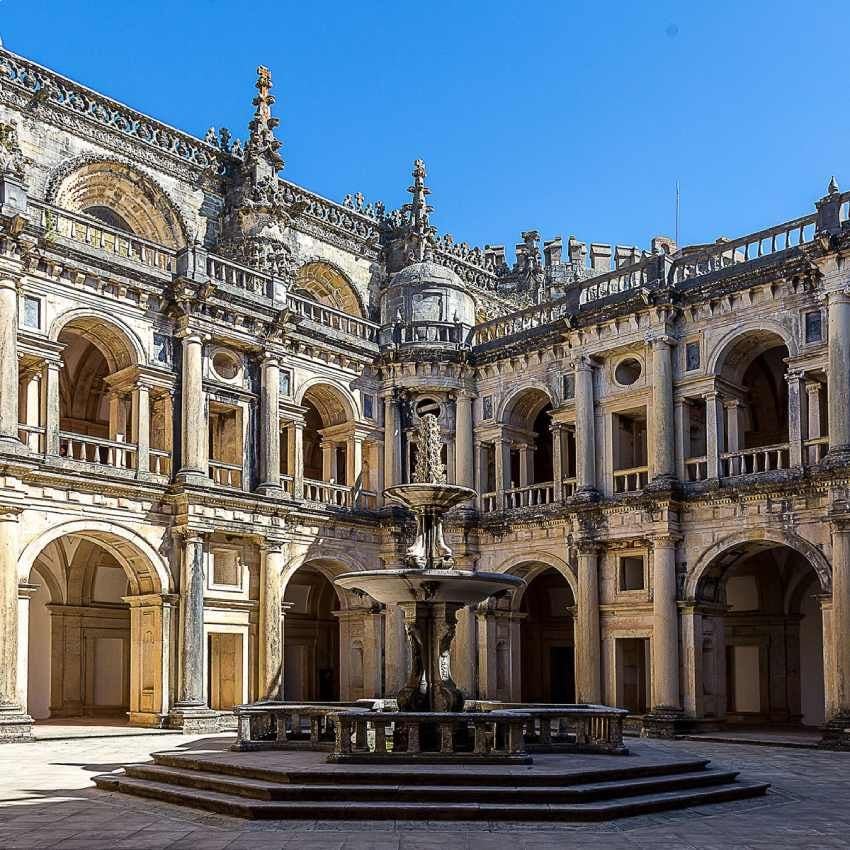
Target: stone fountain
{"points": [[428, 588]]}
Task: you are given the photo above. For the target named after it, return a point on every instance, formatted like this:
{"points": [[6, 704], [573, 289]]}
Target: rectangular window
{"points": [[569, 386], [369, 406], [162, 349], [631, 572], [487, 406], [814, 326], [226, 568], [32, 312], [285, 382], [692, 359]]}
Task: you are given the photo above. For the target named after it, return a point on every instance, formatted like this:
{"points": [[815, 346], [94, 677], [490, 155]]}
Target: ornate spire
{"points": [[262, 144], [421, 232]]}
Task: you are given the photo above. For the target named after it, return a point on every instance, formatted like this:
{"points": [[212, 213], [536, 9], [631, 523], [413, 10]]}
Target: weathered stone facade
{"points": [[209, 375]]}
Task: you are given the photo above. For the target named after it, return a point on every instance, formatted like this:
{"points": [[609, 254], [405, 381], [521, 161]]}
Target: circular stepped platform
{"points": [[299, 785]]}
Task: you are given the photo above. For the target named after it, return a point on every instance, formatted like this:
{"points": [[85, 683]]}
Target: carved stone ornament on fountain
{"points": [[428, 589]]}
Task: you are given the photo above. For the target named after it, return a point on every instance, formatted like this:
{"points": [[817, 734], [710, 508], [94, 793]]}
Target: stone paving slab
{"points": [[46, 801]]}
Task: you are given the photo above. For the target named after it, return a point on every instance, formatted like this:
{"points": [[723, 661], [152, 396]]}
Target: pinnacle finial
{"points": [[832, 189], [421, 231], [261, 141]]}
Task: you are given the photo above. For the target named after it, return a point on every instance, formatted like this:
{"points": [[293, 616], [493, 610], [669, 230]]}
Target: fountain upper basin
{"points": [[440, 497], [411, 585]]}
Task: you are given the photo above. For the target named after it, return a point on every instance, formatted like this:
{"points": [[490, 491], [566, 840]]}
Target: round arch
{"points": [[524, 404], [750, 339], [120, 346], [334, 403], [531, 564], [143, 565], [330, 564], [119, 195], [765, 538], [326, 283]]}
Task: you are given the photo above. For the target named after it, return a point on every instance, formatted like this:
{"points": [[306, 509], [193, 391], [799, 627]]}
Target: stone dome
{"points": [[426, 291]]}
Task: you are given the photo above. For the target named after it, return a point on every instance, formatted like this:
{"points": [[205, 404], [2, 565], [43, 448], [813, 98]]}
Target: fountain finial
{"points": [[429, 464]]}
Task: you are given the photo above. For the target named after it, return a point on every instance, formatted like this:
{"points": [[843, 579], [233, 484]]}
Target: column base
{"points": [[586, 495], [13, 446], [664, 722], [193, 477], [837, 457], [193, 719], [15, 725], [836, 734], [661, 484], [273, 491]]}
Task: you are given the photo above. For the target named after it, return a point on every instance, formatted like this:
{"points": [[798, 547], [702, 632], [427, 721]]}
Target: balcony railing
{"points": [[530, 496], [335, 320], [814, 450], [160, 462], [32, 436], [631, 480], [569, 487], [754, 461], [226, 474], [85, 230], [696, 469], [426, 333], [324, 493], [489, 502], [97, 450], [235, 275]]}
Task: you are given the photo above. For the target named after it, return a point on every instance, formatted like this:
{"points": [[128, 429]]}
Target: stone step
{"points": [[230, 804], [261, 790], [427, 774]]}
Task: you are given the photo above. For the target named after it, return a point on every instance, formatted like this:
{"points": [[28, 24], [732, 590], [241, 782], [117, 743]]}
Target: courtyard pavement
{"points": [[47, 800]]}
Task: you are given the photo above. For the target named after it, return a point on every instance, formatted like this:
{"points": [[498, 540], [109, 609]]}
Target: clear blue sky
{"points": [[568, 117]]}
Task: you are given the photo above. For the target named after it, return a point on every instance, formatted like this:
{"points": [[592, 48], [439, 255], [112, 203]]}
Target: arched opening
{"points": [[547, 639], [527, 471], [322, 282], [96, 386], [311, 642], [94, 640], [761, 652], [122, 198], [751, 379], [336, 460]]}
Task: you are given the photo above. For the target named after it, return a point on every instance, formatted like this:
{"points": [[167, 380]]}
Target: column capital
{"points": [[10, 513], [813, 385], [185, 535], [272, 545], [586, 546], [584, 363], [665, 540], [269, 358], [794, 375], [660, 339]]}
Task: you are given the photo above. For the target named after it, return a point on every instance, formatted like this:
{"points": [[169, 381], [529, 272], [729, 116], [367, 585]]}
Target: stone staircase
{"points": [[428, 793]]}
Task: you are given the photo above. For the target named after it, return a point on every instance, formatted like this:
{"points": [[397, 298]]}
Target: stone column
{"points": [[270, 427], [9, 365], [271, 623], [663, 445], [665, 628], [141, 417], [733, 409], [526, 465], [191, 712], [354, 464], [838, 376], [29, 403], [795, 419], [586, 483], [503, 470], [681, 420], [557, 462], [395, 651], [813, 423], [15, 723], [714, 432], [328, 461], [297, 466], [587, 638], [837, 730], [194, 425], [389, 443], [464, 457]]}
